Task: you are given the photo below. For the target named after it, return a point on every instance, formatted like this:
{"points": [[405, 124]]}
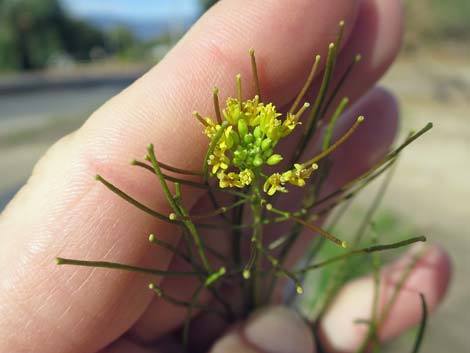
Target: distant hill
{"points": [[142, 29]]}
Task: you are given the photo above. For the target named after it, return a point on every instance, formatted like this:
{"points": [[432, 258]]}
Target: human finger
{"points": [[430, 275], [63, 211], [272, 330]]}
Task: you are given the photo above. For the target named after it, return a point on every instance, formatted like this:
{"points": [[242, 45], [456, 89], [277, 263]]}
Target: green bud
{"points": [[266, 143], [236, 162], [258, 161], [258, 141], [242, 127], [248, 138], [234, 137], [268, 153], [274, 159], [237, 115], [257, 132]]}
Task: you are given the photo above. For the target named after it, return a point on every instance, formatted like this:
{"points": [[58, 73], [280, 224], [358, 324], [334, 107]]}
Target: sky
{"points": [[135, 9]]}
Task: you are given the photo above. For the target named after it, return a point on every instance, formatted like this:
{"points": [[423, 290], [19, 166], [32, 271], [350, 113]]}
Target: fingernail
{"points": [[278, 330]]}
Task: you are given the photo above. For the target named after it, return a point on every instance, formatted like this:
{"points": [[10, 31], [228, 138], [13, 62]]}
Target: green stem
{"points": [[177, 302], [253, 267], [257, 238], [216, 212], [308, 225], [366, 250], [134, 202], [187, 321], [179, 209], [388, 306], [313, 117], [422, 326], [118, 266], [168, 167], [340, 84], [329, 131], [280, 270], [338, 143], [197, 240], [306, 85]]}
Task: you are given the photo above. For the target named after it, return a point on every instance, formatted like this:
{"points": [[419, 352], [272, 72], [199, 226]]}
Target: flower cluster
{"points": [[296, 176], [247, 144]]}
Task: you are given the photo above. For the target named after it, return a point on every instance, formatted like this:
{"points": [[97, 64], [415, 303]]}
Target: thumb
{"points": [[272, 330]]}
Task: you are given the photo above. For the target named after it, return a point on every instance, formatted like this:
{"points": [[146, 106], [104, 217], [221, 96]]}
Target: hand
{"points": [[63, 211]]}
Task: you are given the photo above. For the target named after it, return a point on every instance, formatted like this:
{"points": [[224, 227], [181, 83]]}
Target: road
{"points": [[32, 118]]}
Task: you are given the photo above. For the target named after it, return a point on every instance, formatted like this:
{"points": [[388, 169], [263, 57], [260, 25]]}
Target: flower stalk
{"points": [[246, 170]]}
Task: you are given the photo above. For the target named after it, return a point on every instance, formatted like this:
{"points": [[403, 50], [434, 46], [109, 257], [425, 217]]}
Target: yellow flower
{"points": [[232, 112], [226, 140], [210, 128], [229, 180], [252, 107], [246, 176], [218, 160], [289, 124], [269, 123], [273, 184], [298, 175]]}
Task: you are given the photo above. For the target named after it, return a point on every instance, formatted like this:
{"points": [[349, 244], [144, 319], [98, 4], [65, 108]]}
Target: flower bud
{"points": [[234, 137], [257, 132], [266, 144], [242, 127], [268, 153], [258, 161], [274, 159], [248, 138]]}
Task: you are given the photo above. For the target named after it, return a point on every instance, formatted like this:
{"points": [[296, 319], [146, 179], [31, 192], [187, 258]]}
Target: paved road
{"points": [[32, 117]]}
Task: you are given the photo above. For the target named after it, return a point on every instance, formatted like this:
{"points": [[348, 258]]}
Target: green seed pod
{"points": [[242, 127], [274, 159], [258, 161], [266, 143]]}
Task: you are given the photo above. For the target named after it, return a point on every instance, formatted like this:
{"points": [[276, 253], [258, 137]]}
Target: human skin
{"points": [[63, 211]]}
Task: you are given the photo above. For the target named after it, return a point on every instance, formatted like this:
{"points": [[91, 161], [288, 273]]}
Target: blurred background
{"points": [[61, 59]]}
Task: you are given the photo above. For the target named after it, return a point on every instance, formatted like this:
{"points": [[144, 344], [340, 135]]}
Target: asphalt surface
{"points": [[37, 110]]}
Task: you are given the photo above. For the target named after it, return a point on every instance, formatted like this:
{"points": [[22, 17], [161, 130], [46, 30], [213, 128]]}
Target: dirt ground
{"points": [[430, 190]]}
